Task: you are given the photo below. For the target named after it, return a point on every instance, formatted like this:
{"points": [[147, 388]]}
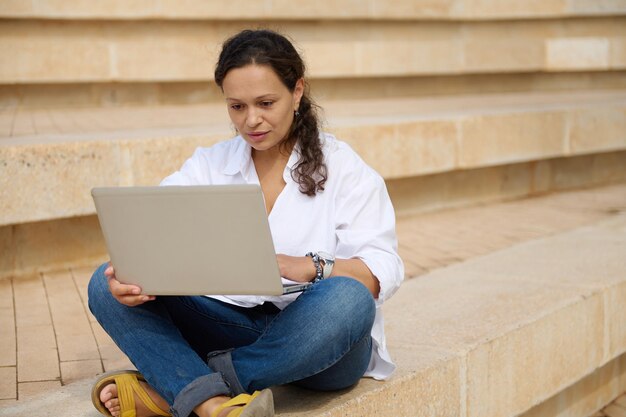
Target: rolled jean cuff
{"points": [[221, 361], [197, 392]]}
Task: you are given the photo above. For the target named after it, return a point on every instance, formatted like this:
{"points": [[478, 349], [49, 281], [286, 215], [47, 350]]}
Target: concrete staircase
{"points": [[533, 330], [452, 101]]}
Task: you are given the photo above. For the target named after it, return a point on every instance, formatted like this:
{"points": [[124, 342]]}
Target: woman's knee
{"points": [[350, 300], [98, 288]]}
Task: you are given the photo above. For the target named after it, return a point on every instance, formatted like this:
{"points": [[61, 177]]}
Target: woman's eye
{"points": [[267, 103], [236, 106]]}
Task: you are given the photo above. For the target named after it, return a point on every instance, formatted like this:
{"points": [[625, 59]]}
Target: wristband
{"points": [[319, 273], [328, 261]]}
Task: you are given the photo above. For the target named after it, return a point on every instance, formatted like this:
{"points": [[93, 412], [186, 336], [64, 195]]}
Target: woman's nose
{"points": [[253, 118]]}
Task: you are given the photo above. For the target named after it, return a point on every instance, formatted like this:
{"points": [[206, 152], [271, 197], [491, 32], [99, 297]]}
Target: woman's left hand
{"points": [[296, 268]]}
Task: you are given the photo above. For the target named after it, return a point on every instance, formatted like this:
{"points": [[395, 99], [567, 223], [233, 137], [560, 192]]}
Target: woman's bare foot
{"points": [[109, 398]]}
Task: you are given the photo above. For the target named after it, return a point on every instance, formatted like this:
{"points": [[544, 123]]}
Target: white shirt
{"points": [[352, 218]]}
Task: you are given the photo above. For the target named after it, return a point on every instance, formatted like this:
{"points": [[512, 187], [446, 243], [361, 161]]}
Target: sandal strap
{"points": [[125, 395], [239, 400], [127, 386]]}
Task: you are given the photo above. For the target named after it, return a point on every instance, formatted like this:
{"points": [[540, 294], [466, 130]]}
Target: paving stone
{"points": [[73, 371], [73, 331], [28, 390], [81, 279], [31, 304], [7, 325], [37, 355], [8, 383]]}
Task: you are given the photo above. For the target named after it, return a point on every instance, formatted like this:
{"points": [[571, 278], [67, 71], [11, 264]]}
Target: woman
{"points": [[332, 223]]}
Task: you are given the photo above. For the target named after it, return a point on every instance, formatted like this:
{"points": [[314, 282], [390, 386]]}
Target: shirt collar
{"points": [[240, 160]]}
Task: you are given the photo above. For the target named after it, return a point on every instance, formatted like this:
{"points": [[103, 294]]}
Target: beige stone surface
{"points": [[456, 188], [37, 354], [597, 130], [7, 325], [425, 8], [497, 139], [157, 50], [86, 164], [486, 305], [7, 260], [509, 321], [8, 382], [428, 380], [81, 277], [576, 171], [615, 411], [584, 397], [488, 316], [501, 54], [165, 56], [28, 390], [71, 326], [151, 160], [540, 359], [491, 8], [406, 57], [565, 262], [616, 311], [72, 371], [151, 93], [44, 58], [31, 304], [577, 54], [37, 247], [43, 166], [336, 9], [240, 9], [618, 53], [597, 6], [344, 58]]}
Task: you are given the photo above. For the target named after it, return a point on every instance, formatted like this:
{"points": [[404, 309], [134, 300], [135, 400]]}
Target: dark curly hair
{"points": [[266, 47]]}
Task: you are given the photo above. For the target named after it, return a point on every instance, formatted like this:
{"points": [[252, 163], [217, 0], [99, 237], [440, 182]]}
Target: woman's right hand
{"points": [[129, 295]]}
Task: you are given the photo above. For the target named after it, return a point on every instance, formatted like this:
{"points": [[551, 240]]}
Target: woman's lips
{"points": [[257, 136]]}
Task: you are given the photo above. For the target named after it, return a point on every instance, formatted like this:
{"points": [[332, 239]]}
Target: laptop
{"points": [[191, 240]]}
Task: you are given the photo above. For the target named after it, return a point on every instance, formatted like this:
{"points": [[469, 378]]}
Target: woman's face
{"points": [[259, 105]]}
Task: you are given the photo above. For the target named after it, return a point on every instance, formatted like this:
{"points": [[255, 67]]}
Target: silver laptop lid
{"points": [[190, 240]]}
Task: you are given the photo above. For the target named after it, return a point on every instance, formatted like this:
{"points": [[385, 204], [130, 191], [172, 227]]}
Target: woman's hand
{"points": [[129, 295], [296, 268]]}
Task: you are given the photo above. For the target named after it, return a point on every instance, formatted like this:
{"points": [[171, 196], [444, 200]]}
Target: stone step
{"points": [[76, 51], [321, 9], [532, 330], [64, 153]]}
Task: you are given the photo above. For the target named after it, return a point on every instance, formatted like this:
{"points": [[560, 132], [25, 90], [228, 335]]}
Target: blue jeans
{"points": [[191, 349]]}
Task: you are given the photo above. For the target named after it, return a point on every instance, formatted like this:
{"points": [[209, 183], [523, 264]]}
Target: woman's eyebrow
{"points": [[261, 97]]}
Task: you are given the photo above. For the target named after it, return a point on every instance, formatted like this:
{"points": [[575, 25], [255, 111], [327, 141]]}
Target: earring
{"points": [[296, 113]]}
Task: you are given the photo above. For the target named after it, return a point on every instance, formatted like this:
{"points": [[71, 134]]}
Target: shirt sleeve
{"points": [[366, 227]]}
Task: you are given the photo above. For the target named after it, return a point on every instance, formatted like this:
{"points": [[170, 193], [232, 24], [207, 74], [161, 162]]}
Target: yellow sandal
{"points": [[127, 384], [259, 404]]}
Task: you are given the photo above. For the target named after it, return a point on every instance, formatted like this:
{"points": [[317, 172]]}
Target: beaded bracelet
{"points": [[318, 268]]}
